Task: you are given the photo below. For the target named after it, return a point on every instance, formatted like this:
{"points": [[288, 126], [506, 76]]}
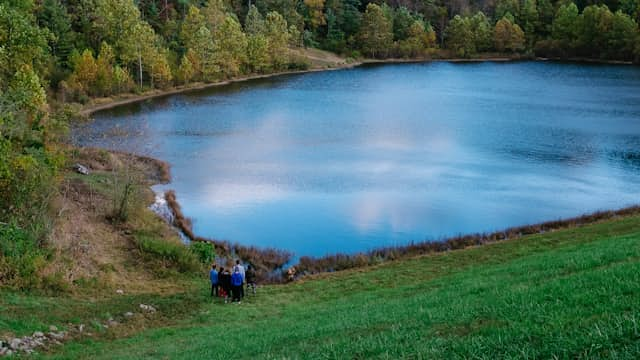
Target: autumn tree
{"points": [[315, 10], [418, 41], [215, 12], [508, 36], [186, 71], [376, 32]]}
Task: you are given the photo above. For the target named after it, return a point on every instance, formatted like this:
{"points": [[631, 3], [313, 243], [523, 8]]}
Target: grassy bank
{"points": [[571, 293]]}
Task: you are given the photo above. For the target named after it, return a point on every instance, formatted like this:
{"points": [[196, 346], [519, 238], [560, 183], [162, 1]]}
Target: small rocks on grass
{"points": [[3, 351], [147, 308], [81, 328], [81, 169], [38, 334], [120, 292], [53, 328], [14, 344], [57, 335], [128, 314]]}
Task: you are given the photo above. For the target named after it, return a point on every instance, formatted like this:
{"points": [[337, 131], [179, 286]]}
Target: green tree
{"points": [[335, 39], [203, 53], [185, 71], [403, 19], [53, 15], [508, 8], [376, 32], [190, 26], [277, 36], [231, 46], [529, 18], [546, 14], [622, 37], [134, 41], [257, 53], [595, 24], [566, 26], [254, 22], [482, 32], [460, 37], [104, 71], [21, 43]]}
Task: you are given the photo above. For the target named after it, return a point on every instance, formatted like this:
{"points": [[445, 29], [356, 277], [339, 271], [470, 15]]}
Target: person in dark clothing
{"points": [[236, 283], [250, 277], [213, 277], [225, 282]]}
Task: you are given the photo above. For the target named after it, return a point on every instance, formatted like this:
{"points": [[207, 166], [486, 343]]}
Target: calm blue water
{"points": [[349, 160]]}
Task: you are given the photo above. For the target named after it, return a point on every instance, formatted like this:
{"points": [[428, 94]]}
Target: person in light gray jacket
{"points": [[240, 269]]}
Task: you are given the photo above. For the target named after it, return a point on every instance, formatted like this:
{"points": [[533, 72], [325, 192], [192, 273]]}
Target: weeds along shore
{"points": [[270, 260]]}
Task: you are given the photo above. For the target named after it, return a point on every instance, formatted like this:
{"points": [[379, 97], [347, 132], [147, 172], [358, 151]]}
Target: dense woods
{"points": [[54, 52]]}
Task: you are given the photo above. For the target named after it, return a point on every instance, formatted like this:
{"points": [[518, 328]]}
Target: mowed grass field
{"points": [[572, 293]]}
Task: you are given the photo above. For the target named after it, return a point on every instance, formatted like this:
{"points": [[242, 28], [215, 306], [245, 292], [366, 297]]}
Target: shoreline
{"points": [[126, 99], [342, 261]]}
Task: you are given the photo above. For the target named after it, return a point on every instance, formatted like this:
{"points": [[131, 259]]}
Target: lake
{"points": [[350, 160]]}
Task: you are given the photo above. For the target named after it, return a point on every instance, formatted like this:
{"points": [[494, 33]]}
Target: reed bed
{"points": [[269, 262]]}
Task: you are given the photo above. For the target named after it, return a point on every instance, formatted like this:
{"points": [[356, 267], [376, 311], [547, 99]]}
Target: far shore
{"points": [[125, 99]]}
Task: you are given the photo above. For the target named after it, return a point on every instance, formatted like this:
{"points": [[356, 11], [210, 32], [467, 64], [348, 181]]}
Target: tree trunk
{"points": [[140, 68]]}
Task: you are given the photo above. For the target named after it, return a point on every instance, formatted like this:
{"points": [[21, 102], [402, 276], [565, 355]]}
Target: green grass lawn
{"points": [[567, 294]]}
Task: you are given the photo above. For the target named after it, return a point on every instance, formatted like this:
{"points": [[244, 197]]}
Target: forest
{"points": [[57, 52]]}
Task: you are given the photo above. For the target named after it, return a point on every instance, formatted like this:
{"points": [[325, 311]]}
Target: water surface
{"points": [[348, 160]]}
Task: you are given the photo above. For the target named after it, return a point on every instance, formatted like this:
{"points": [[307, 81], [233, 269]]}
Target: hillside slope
{"points": [[568, 294]]}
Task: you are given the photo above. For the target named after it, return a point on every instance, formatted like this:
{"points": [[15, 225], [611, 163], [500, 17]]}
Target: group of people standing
{"points": [[227, 283]]}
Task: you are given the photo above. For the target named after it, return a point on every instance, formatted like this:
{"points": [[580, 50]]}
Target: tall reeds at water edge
{"points": [[267, 262], [337, 262]]}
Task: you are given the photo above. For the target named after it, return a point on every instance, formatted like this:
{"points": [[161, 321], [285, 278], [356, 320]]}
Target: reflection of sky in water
{"points": [[382, 155]]}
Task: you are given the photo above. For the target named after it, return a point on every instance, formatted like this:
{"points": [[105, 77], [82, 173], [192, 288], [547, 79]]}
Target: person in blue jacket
{"points": [[236, 285], [213, 276]]}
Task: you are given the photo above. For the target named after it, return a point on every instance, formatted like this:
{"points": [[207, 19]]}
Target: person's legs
{"points": [[242, 290], [212, 289], [216, 289]]}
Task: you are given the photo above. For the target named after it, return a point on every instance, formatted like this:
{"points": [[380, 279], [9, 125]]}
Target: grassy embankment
{"points": [[571, 293]]}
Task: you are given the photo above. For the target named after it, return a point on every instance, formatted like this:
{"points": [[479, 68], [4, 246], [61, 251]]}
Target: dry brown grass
{"points": [[87, 245]]}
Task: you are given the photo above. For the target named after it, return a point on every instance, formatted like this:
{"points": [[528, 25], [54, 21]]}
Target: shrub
{"points": [[22, 258], [204, 251], [166, 254]]}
